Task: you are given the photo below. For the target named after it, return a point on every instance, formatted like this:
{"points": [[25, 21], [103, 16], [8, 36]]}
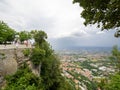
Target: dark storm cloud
{"points": [[103, 40]]}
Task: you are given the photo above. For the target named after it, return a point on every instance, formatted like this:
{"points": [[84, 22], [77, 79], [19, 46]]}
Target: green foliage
{"points": [[31, 88], [116, 57], [51, 75], [102, 83], [23, 79], [116, 52], [50, 71], [103, 12], [37, 56], [40, 37], [26, 52], [48, 50], [113, 83], [6, 33], [42, 49], [24, 35], [33, 33]]}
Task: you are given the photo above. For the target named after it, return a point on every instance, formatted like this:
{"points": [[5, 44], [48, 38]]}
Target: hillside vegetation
{"points": [[44, 61]]}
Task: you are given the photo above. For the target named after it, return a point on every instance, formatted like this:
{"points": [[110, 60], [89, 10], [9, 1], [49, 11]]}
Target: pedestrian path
{"points": [[13, 46]]}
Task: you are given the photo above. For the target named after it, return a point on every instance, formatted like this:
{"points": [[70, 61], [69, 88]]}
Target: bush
{"points": [[23, 79], [26, 52], [37, 56]]}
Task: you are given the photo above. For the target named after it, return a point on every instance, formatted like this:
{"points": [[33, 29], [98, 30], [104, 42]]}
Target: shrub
{"points": [[26, 52]]}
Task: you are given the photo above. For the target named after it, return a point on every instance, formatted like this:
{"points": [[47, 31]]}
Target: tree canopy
{"points": [[6, 33], [106, 13], [113, 83], [115, 58], [40, 37], [24, 35]]}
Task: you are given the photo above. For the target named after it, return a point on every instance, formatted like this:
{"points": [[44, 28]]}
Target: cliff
{"points": [[10, 60]]}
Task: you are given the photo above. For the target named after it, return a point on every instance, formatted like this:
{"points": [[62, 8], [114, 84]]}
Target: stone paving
{"points": [[14, 46]]}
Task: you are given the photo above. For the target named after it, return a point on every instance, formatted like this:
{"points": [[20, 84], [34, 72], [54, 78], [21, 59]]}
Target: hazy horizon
{"points": [[86, 48]]}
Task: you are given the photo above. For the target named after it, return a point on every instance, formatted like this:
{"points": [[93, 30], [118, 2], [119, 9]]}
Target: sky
{"points": [[60, 19]]}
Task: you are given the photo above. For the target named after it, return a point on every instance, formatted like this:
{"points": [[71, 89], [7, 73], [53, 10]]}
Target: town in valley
{"points": [[85, 68]]}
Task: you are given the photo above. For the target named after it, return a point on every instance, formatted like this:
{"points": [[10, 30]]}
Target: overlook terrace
{"points": [[12, 46]]}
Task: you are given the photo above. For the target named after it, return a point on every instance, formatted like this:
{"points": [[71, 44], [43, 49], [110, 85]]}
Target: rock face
{"points": [[8, 63], [11, 60], [10, 66]]}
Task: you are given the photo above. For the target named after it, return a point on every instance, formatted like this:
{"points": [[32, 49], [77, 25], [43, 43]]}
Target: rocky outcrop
{"points": [[9, 64], [11, 60]]}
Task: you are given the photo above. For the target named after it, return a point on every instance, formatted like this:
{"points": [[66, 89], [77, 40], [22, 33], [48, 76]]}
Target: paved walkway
{"points": [[13, 46]]}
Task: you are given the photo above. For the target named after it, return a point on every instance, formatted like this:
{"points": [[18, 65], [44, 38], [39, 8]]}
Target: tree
{"points": [[24, 35], [50, 71], [51, 74], [6, 33], [33, 32], [37, 56], [40, 37], [106, 13], [113, 83], [116, 57], [38, 53], [102, 83]]}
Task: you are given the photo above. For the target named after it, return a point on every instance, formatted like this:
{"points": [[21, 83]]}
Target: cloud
{"points": [[100, 32], [80, 33], [60, 19], [93, 40]]}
